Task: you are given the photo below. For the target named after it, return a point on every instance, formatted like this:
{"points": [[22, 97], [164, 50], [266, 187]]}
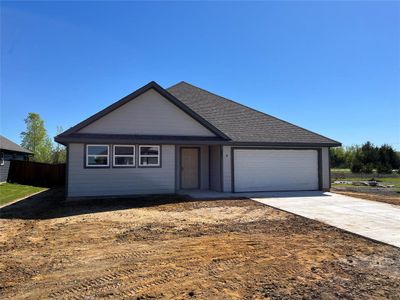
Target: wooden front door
{"points": [[190, 164]]}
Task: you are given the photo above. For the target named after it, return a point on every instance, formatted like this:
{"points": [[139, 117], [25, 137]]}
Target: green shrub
{"points": [[356, 166], [384, 169], [367, 168]]}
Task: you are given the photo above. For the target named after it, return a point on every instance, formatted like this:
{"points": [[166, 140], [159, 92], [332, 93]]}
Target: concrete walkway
{"points": [[375, 220]]}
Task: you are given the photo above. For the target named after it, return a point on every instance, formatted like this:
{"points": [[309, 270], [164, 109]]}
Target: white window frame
{"points": [[2, 158], [124, 155], [101, 155], [152, 155]]}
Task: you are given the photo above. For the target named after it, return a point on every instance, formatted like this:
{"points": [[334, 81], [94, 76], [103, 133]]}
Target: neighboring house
{"points": [[159, 140], [10, 151]]}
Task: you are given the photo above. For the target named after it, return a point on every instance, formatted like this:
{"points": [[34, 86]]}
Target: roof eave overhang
{"points": [[18, 151], [287, 144], [136, 139]]}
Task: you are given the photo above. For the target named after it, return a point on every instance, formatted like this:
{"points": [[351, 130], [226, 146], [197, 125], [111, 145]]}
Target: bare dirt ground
{"points": [[369, 194], [175, 248]]}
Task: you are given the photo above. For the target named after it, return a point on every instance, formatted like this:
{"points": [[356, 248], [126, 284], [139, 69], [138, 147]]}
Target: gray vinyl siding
{"points": [[15, 156], [325, 168], [148, 114], [226, 169], [204, 169], [119, 181], [215, 168], [4, 171], [204, 166]]}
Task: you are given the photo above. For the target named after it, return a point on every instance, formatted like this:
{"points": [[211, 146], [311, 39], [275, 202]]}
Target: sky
{"points": [[331, 67]]}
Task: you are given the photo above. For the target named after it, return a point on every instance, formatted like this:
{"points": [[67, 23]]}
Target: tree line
{"points": [[36, 139], [366, 158]]}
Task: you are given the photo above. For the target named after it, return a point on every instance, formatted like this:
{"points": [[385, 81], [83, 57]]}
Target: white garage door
{"points": [[275, 170]]}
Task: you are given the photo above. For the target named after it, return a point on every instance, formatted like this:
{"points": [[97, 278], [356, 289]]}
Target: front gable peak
{"points": [[150, 110]]}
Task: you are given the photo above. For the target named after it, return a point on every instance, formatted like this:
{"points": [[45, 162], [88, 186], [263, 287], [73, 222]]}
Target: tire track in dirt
{"points": [[82, 287], [160, 279], [128, 255], [215, 267], [112, 281]]}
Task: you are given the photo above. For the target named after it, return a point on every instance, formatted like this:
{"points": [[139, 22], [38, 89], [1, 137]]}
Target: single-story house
{"points": [[158, 140], [10, 151]]}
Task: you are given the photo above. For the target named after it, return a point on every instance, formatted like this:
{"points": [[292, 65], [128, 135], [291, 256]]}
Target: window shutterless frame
{"points": [[158, 156], [133, 156], [87, 155]]}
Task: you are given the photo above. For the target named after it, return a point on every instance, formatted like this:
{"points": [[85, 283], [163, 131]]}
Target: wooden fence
{"points": [[38, 174]]}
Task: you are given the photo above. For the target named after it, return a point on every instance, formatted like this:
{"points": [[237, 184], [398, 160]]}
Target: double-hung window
{"points": [[149, 156], [124, 155], [97, 155]]}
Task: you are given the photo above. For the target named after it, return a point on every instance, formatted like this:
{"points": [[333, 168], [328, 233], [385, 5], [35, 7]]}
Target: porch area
{"points": [[198, 169]]}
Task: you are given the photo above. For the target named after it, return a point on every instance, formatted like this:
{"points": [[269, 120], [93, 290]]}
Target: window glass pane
{"points": [[124, 160], [123, 150], [149, 150], [97, 150], [97, 160], [144, 161]]}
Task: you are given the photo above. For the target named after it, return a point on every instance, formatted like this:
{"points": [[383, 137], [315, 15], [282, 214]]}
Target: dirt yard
{"points": [[391, 197], [181, 249]]}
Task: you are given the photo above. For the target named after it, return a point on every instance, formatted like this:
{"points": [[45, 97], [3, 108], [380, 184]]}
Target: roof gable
{"points": [[148, 114], [80, 128]]}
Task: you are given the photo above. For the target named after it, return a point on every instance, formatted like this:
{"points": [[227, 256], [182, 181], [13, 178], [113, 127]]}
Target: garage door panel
{"points": [[275, 170]]}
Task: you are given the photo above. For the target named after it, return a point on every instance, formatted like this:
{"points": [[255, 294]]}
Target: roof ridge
{"points": [[178, 83], [255, 110]]}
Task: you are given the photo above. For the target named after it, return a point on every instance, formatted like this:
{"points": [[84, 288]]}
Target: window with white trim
{"points": [[149, 156], [1, 158], [124, 155], [97, 155]]}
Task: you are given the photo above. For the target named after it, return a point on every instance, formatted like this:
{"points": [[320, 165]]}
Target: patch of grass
{"points": [[341, 170], [395, 181], [385, 180], [10, 191]]}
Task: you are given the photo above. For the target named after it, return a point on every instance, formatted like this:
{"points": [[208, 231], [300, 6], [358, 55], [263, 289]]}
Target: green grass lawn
{"points": [[10, 191], [341, 170], [384, 180]]}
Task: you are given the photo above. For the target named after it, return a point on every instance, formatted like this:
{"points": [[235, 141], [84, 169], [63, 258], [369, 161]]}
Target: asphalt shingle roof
{"points": [[241, 123], [6, 144], [232, 122]]}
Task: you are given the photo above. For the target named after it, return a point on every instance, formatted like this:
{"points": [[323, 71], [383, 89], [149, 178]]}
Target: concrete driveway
{"points": [[374, 220]]}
